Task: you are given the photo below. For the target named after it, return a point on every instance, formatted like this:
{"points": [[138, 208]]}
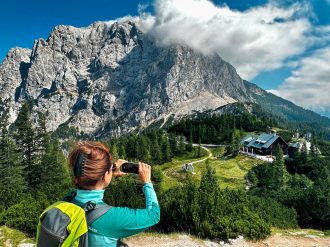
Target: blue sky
{"points": [[21, 22]]}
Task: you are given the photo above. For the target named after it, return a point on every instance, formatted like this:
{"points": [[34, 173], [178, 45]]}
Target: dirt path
{"points": [[172, 169], [293, 241], [183, 240], [207, 150]]}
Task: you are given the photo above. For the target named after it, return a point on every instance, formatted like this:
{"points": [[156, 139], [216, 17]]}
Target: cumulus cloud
{"points": [[309, 84], [258, 39], [262, 38]]}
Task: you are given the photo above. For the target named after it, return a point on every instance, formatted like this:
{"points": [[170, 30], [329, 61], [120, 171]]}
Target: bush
{"points": [[209, 212], [228, 219], [274, 213], [24, 216], [125, 192]]}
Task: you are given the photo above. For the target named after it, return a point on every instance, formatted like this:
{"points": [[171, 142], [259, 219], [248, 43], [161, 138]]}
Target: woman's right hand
{"points": [[117, 172], [144, 173]]}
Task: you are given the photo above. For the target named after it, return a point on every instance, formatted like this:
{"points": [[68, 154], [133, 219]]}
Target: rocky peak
{"points": [[124, 32], [112, 78], [18, 54]]}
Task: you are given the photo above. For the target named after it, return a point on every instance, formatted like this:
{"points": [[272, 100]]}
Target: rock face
{"points": [[111, 79], [13, 73]]}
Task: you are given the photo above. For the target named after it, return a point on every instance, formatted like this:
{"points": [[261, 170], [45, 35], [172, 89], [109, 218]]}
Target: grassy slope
{"points": [[300, 232], [230, 171]]}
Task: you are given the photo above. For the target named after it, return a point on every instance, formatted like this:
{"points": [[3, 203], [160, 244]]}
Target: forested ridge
{"points": [[284, 194]]}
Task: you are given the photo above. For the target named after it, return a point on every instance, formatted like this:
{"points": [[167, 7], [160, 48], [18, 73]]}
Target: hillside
{"points": [[288, 111]]}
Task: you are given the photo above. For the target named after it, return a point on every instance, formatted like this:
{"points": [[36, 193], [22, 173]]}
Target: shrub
{"points": [[209, 212], [125, 192], [24, 216]]}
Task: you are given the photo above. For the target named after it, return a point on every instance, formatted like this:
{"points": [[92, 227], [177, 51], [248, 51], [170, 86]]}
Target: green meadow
{"points": [[230, 171]]}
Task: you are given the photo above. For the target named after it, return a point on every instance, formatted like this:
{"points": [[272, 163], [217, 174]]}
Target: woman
{"points": [[92, 175]]}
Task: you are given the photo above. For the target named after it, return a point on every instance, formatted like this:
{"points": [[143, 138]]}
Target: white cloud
{"points": [[256, 40], [145, 21], [259, 39], [142, 7], [273, 91], [309, 85]]}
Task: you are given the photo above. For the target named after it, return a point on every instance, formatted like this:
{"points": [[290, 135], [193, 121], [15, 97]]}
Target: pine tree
{"points": [[280, 174], [166, 150], [122, 151], [190, 142], [136, 147], [208, 197], [27, 143], [52, 175], [213, 134], [199, 149], [279, 155], [54, 179], [12, 186], [173, 143], [303, 153], [235, 142], [182, 145], [114, 152], [130, 147], [209, 182], [155, 149], [203, 136], [143, 153], [42, 135], [314, 150]]}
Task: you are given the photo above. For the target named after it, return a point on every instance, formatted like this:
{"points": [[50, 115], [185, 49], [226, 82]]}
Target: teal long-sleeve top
{"points": [[119, 222]]}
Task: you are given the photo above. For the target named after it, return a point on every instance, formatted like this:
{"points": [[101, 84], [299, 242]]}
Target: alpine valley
{"points": [[187, 114]]}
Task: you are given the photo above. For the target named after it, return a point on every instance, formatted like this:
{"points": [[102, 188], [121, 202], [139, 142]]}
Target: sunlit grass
{"points": [[299, 232], [172, 235], [14, 237], [230, 171], [218, 151]]}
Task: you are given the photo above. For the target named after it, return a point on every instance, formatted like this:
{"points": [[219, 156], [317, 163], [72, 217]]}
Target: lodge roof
{"points": [[262, 141]]}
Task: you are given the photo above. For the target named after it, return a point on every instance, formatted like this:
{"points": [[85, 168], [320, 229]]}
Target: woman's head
{"points": [[91, 164]]}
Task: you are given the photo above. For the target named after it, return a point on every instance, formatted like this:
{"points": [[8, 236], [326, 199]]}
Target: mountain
{"points": [[112, 78], [286, 110]]}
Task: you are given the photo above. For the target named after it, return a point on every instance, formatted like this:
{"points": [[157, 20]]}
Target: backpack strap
{"points": [[98, 211], [70, 196], [94, 211]]}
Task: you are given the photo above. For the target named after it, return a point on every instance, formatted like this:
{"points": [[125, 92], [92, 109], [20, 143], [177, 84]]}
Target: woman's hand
{"points": [[144, 172], [117, 172]]}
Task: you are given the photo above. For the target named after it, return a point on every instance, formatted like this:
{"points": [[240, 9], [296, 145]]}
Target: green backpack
{"points": [[65, 224]]}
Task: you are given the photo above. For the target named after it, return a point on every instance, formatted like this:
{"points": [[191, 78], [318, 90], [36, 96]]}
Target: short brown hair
{"points": [[98, 161]]}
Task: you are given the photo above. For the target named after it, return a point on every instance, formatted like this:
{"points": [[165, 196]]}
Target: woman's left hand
{"points": [[117, 172]]}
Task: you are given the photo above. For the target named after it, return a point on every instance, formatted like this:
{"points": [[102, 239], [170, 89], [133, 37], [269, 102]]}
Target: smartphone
{"points": [[129, 167]]}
